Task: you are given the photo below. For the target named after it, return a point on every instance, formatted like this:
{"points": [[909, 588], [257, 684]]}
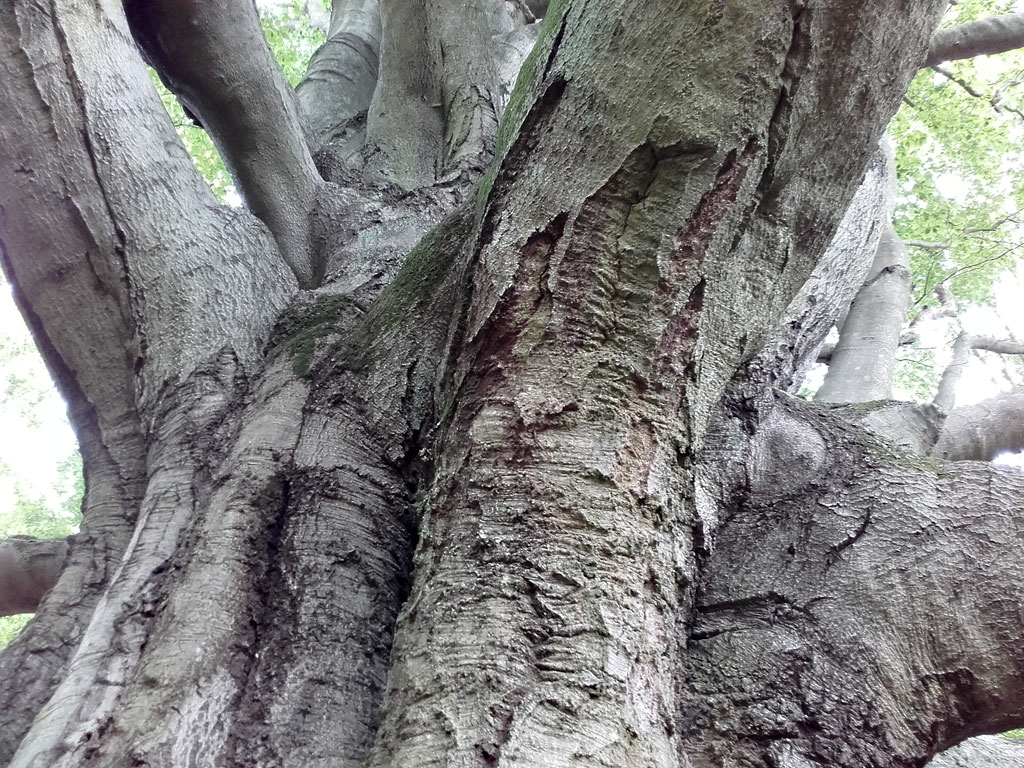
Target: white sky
{"points": [[32, 441]]}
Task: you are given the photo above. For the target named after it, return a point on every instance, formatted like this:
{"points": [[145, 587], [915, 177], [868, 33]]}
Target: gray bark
{"points": [[435, 111], [215, 59], [982, 431], [342, 75], [982, 751], [996, 34], [820, 603], [861, 365], [547, 659], [29, 568], [472, 502], [832, 286]]}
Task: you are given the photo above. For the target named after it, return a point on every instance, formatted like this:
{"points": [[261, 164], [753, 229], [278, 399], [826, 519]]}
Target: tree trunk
{"points": [[462, 448]]}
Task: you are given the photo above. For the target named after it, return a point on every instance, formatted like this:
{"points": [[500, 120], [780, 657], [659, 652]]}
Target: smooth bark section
{"points": [[797, 343], [405, 125], [442, 88], [60, 245], [862, 362], [856, 589], [342, 75], [996, 34], [216, 60], [982, 431], [982, 752], [28, 570], [472, 97]]}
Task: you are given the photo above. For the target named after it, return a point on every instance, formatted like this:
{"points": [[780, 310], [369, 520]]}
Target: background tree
{"points": [[516, 360]]}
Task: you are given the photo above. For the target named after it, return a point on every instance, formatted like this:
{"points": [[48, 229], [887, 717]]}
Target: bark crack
{"points": [[849, 541]]}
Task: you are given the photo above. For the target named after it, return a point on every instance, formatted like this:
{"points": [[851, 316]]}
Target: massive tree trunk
{"points": [[461, 445]]}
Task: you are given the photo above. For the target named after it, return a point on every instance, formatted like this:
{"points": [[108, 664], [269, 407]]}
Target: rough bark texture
{"points": [[512, 486], [841, 580]]}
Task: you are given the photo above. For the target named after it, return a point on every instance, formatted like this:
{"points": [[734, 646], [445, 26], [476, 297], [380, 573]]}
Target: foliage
{"points": [[42, 501], [291, 38], [959, 162]]}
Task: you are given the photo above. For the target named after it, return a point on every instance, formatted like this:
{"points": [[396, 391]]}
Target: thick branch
{"points": [[862, 362], [215, 58], [28, 570], [441, 91], [124, 259], [342, 74], [858, 585], [834, 282], [982, 431], [945, 398], [996, 34], [982, 752]]}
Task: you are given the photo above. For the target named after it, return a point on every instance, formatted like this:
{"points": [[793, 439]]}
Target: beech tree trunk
{"points": [[465, 443]]}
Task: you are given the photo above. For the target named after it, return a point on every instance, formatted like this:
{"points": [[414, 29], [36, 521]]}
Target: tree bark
{"points": [[861, 366], [819, 612], [341, 77], [996, 34], [29, 568], [982, 752], [982, 431], [516, 495]]}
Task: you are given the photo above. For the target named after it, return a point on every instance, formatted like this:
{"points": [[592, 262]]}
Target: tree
{"points": [[471, 439]]}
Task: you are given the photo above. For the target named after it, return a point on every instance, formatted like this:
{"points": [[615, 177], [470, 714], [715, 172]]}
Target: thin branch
{"points": [[979, 264], [946, 308], [945, 398], [970, 89], [926, 245]]}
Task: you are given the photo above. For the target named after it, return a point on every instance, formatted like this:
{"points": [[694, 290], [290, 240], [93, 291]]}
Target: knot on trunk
{"points": [[785, 456]]}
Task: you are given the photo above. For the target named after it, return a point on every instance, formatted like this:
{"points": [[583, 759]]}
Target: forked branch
{"points": [[215, 58]]}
